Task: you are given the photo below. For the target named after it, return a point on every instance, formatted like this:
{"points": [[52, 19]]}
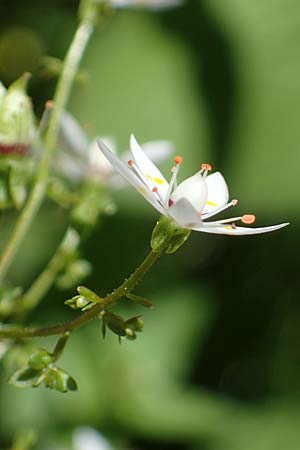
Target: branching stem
{"points": [[26, 332]]}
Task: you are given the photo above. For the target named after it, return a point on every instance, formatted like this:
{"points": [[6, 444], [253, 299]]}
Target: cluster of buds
{"points": [[40, 369]]}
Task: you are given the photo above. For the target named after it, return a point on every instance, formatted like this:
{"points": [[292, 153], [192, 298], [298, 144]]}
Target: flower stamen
{"points": [[248, 218]]}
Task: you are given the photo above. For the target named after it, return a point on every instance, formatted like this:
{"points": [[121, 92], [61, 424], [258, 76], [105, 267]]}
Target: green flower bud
{"points": [[59, 380], [16, 118], [77, 302], [40, 359], [88, 294], [168, 236], [135, 324]]}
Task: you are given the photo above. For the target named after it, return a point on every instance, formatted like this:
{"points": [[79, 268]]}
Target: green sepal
{"points": [[168, 236], [89, 295], [103, 327], [25, 377], [179, 237], [140, 300], [115, 323], [40, 359]]}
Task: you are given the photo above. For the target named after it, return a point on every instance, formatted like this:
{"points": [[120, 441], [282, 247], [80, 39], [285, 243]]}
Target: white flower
{"points": [[86, 438], [80, 159], [151, 4], [190, 203]]}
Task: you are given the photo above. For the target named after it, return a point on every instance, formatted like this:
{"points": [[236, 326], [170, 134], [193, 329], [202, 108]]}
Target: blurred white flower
{"points": [[80, 159], [150, 4], [86, 438], [190, 203]]}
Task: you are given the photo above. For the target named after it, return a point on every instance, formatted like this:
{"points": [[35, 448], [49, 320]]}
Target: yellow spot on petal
{"points": [[211, 203], [154, 179], [229, 228]]}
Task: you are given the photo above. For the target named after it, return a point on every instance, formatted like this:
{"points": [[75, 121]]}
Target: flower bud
{"points": [[40, 359], [16, 118]]}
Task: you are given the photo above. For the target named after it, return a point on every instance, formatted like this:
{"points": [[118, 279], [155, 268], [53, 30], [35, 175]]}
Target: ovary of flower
{"points": [[189, 203]]}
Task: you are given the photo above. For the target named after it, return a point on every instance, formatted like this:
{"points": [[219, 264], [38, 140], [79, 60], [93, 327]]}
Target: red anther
{"points": [[171, 203], [130, 162], [234, 202], [154, 189], [205, 166], [248, 218], [178, 159]]}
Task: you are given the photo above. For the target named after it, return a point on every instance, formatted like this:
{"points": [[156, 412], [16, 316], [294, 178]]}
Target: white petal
{"points": [[217, 192], [72, 135], [158, 150], [126, 172], [153, 176], [98, 163], [237, 231], [184, 214], [194, 190]]}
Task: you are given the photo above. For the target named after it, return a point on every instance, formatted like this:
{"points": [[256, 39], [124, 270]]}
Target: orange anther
{"points": [[178, 159], [130, 162], [205, 166], [154, 189], [248, 218], [49, 104], [234, 202]]}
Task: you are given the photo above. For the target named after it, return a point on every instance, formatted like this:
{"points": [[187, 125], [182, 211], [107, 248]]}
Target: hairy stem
{"points": [[26, 332], [37, 193]]}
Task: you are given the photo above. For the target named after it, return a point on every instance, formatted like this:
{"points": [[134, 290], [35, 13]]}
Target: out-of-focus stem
{"points": [[37, 193], [44, 281]]}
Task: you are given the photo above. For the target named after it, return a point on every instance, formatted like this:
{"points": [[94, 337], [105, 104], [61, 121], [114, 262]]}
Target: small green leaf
{"points": [[140, 300]]}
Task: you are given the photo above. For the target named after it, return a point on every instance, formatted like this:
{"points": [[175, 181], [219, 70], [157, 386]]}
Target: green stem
{"points": [[37, 193], [113, 297], [44, 281]]}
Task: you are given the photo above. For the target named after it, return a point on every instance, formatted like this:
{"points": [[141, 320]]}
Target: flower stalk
{"points": [[19, 332], [64, 85]]}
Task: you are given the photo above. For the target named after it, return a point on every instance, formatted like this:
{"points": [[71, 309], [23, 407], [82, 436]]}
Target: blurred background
{"points": [[218, 364]]}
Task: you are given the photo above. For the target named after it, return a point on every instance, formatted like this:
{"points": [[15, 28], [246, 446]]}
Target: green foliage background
{"points": [[217, 367]]}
